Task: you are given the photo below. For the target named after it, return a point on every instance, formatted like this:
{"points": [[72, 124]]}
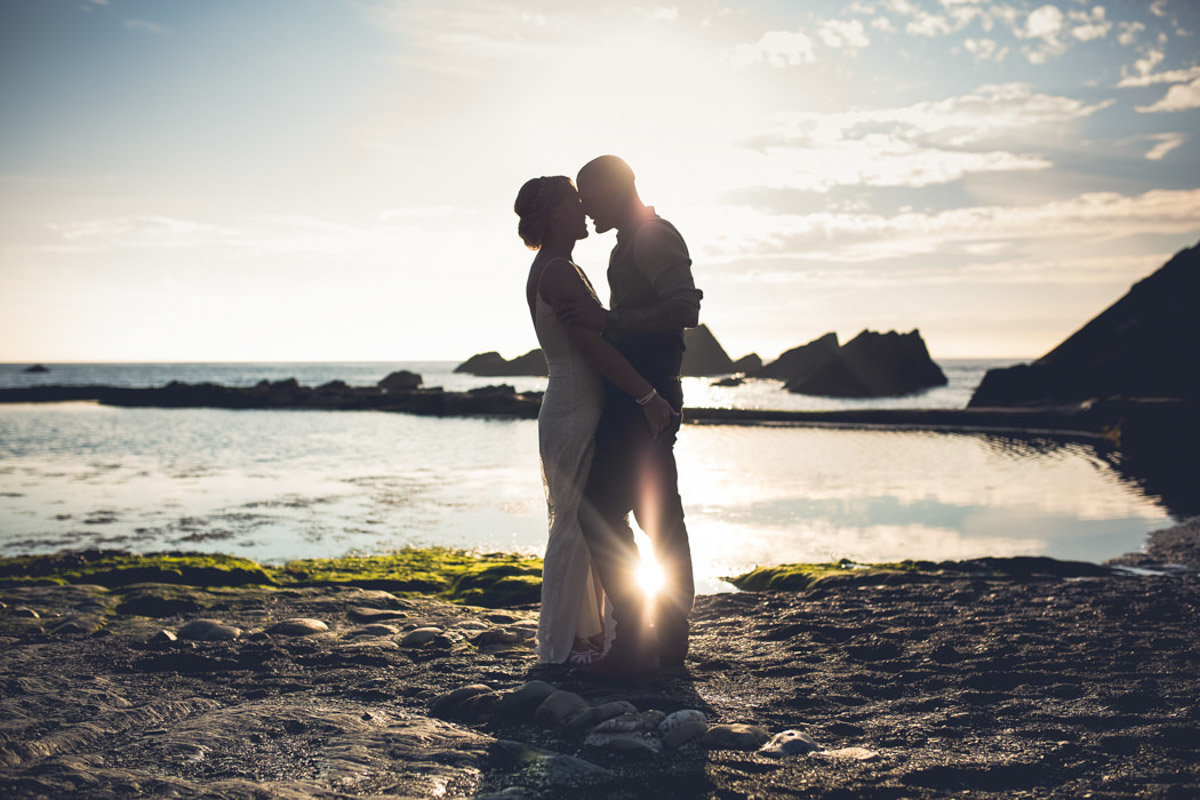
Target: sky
{"points": [[314, 180]]}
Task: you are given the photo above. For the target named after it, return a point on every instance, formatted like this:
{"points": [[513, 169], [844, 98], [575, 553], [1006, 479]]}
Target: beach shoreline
{"points": [[998, 678]]}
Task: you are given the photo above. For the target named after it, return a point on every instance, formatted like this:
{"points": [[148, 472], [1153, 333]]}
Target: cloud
{"points": [[1170, 76], [1091, 24], [851, 237], [1044, 23], [1166, 143], [144, 26], [1129, 32], [142, 232], [985, 49], [840, 33], [777, 48], [1180, 97], [926, 24]]}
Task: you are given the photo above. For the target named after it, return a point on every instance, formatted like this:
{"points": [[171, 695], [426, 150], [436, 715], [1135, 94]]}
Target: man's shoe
{"points": [[620, 665]]}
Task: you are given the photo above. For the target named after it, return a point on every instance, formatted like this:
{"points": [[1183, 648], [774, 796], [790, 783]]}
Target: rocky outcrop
{"points": [[799, 361], [748, 363], [873, 365], [401, 381], [1144, 345], [36, 369], [703, 354], [493, 365]]}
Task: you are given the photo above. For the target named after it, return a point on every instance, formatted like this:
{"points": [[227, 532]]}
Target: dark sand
{"points": [[948, 685]]}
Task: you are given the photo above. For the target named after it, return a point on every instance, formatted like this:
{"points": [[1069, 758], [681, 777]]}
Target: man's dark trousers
{"points": [[632, 471]]}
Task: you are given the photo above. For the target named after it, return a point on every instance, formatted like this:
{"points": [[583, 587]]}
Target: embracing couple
{"points": [[608, 423]]}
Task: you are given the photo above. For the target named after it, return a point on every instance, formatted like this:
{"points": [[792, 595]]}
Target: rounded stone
{"points": [[789, 743], [298, 626], [685, 732], [677, 718], [420, 636], [735, 737], [163, 637], [559, 707], [209, 630], [376, 629], [851, 754]]}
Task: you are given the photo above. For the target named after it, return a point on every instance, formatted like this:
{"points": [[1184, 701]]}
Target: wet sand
{"points": [[969, 683]]}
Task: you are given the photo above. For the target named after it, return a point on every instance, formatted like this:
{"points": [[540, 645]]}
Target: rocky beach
{"points": [[175, 676]]}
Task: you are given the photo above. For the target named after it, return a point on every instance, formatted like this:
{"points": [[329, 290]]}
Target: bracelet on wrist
{"points": [[653, 393]]}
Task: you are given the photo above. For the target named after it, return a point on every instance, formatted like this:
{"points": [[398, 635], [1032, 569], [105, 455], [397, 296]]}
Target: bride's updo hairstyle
{"points": [[535, 205]]}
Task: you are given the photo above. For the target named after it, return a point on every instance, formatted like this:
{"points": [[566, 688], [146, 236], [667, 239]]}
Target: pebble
{"points": [[559, 707], [298, 626], [735, 737], [789, 743], [419, 636], [381, 599], [850, 753], [163, 637], [628, 722], [72, 626], [364, 614], [26, 612], [375, 629], [501, 617], [209, 630]]}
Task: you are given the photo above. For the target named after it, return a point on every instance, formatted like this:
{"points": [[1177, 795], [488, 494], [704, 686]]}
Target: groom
{"points": [[653, 298]]}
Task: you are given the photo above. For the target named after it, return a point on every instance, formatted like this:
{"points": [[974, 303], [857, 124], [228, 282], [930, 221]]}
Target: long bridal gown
{"points": [[571, 605]]}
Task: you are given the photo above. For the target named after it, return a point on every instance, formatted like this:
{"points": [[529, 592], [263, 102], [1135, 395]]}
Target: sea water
{"points": [[282, 484]]}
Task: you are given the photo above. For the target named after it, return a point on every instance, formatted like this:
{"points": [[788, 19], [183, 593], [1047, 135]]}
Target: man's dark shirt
{"points": [[649, 265]]}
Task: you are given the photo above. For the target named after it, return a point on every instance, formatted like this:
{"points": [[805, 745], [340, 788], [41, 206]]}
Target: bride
{"points": [[572, 627]]}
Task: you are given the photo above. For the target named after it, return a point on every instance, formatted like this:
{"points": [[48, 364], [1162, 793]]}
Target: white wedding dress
{"points": [[571, 605]]}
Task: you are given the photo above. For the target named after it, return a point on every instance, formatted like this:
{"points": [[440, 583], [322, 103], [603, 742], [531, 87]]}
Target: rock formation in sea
{"points": [[1144, 345], [873, 365], [494, 365], [703, 354], [36, 369], [799, 361]]}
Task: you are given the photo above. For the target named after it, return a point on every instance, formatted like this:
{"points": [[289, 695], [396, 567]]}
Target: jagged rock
{"points": [[799, 361], [733, 380], [402, 381], [703, 354], [873, 365], [1134, 348], [298, 626], [493, 365], [209, 630], [789, 743], [735, 737], [163, 638], [748, 363]]}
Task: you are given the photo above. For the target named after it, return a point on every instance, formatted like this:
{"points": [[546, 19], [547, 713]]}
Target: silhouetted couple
{"points": [[608, 423]]}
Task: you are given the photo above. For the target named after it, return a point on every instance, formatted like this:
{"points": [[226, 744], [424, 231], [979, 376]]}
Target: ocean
{"points": [[276, 485]]}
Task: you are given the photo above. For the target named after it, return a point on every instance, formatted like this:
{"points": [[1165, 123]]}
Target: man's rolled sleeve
{"points": [[663, 258]]}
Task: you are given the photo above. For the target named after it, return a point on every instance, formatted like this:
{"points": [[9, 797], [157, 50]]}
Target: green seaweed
{"points": [[495, 580], [796, 577]]}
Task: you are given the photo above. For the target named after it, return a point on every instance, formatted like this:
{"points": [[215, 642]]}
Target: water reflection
{"points": [[275, 485]]}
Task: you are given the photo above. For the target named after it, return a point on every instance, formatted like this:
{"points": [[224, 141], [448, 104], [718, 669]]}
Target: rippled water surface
{"points": [[275, 485]]}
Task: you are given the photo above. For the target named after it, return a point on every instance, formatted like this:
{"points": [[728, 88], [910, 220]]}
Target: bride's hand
{"points": [[659, 415]]}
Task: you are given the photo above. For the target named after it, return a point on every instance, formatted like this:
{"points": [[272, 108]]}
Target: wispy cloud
{"points": [[144, 26], [1166, 143], [142, 232], [852, 237], [842, 33], [1151, 78]]}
